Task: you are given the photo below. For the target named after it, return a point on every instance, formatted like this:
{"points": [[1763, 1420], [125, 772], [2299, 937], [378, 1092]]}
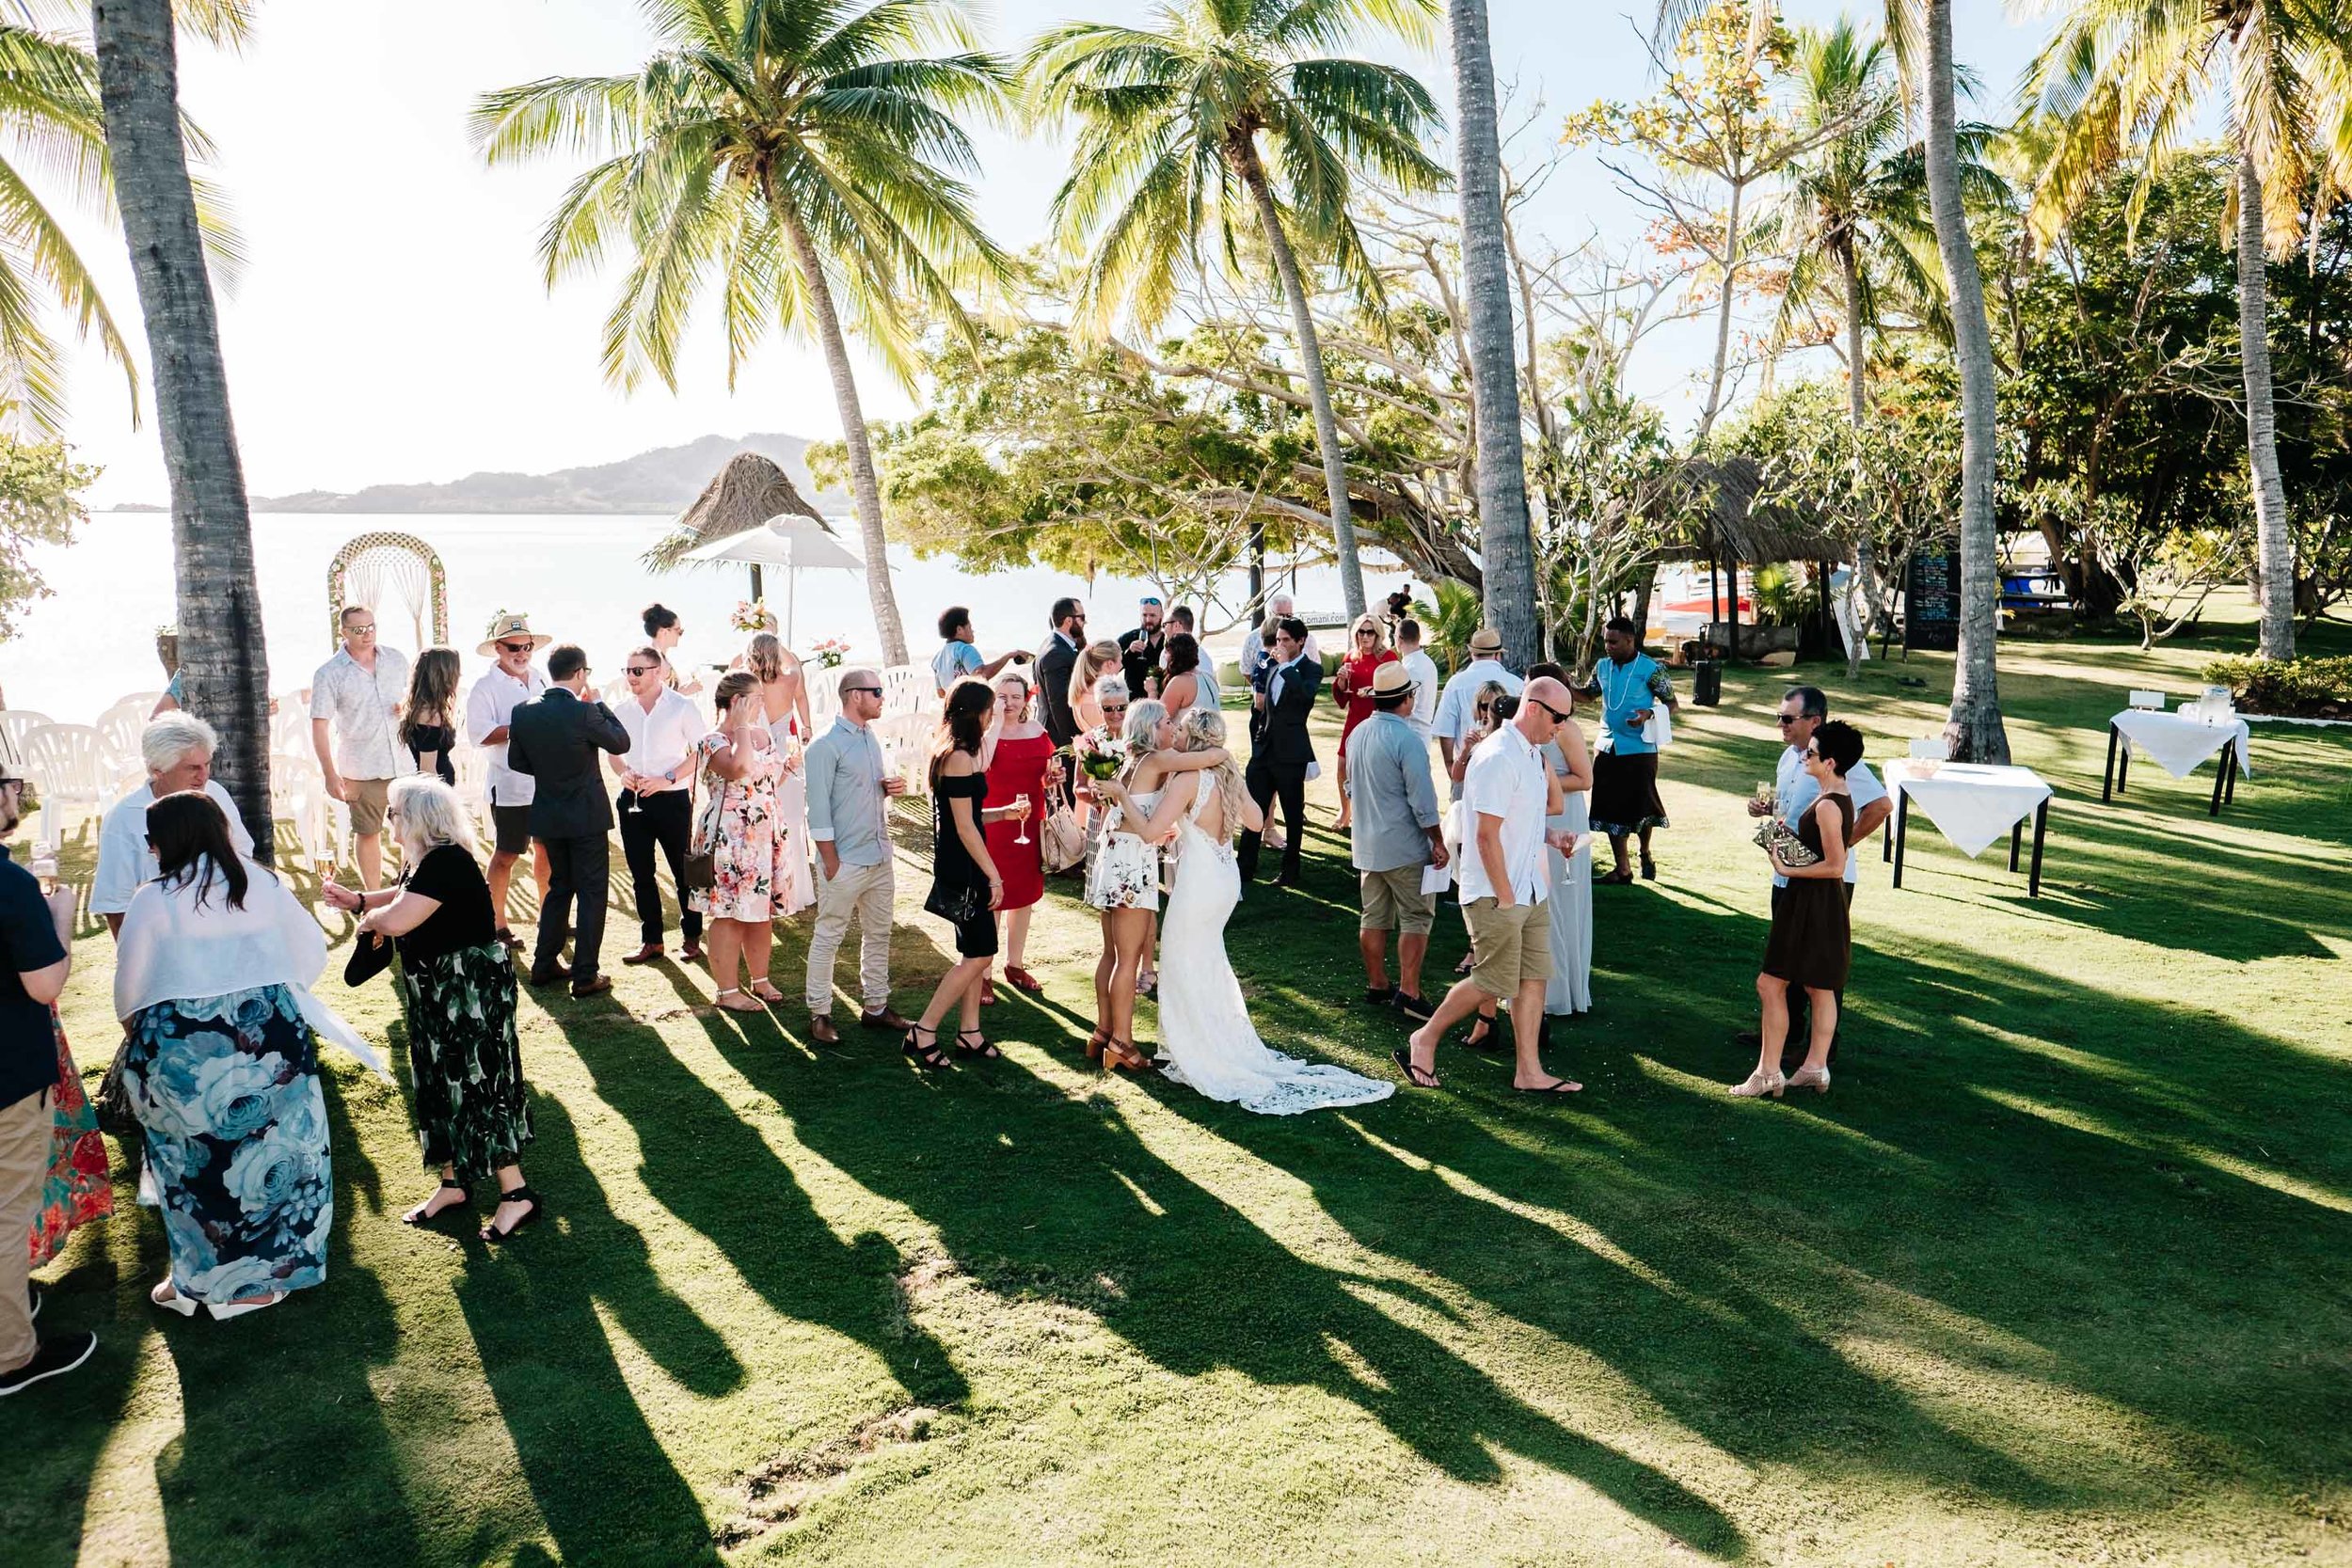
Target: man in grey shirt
{"points": [[850, 787], [1396, 830]]}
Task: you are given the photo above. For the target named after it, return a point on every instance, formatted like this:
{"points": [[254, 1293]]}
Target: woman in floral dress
{"points": [[78, 1188], [748, 841]]}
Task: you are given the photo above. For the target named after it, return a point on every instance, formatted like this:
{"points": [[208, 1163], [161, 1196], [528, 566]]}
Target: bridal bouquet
{"points": [[1097, 754], [750, 615], [830, 652]]}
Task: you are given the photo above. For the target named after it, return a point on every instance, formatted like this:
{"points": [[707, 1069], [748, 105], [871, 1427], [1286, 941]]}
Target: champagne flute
{"points": [[1024, 837]]}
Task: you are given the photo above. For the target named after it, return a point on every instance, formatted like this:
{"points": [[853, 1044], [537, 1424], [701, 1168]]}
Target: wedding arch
{"points": [[385, 571]]}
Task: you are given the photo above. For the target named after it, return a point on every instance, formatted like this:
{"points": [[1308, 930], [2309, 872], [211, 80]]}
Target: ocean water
{"points": [[580, 579]]}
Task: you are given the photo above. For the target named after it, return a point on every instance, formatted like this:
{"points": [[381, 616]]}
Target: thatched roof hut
{"points": [[1742, 532], [744, 494]]}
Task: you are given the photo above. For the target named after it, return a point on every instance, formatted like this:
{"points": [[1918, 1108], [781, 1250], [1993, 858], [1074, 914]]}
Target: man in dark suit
{"points": [[1284, 752], [1053, 664], [555, 738]]}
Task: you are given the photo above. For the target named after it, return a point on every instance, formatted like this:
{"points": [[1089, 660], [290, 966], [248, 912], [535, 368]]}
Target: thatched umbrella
{"points": [[1735, 530], [744, 494]]}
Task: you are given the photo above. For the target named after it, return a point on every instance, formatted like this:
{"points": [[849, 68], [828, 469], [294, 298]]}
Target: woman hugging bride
{"points": [[1207, 1038]]}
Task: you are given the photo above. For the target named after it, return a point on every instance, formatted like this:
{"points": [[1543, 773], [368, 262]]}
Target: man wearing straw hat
{"points": [[1395, 832], [489, 706], [1458, 706]]}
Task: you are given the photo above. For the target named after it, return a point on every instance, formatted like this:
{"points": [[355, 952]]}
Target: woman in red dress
{"points": [[1019, 758], [1354, 688]]}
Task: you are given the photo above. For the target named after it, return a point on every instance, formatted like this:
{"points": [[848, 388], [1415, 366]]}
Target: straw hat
{"points": [[1390, 680], [505, 628], [1485, 640]]}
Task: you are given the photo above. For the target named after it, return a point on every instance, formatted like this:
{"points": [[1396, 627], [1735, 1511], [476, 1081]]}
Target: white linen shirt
{"points": [[488, 706], [1457, 708], [125, 863], [1506, 779], [1424, 670], [660, 741], [363, 705], [1794, 792]]}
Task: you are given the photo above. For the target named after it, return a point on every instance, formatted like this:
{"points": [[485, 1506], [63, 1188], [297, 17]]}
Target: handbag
{"points": [[958, 905], [1061, 843], [1782, 839], [700, 872], [370, 956], [111, 1104]]}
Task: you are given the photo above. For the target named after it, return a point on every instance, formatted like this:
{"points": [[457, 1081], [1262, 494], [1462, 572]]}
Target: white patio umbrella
{"points": [[795, 543]]}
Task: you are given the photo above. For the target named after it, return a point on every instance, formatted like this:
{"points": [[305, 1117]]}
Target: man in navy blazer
{"points": [[555, 738], [1284, 752]]}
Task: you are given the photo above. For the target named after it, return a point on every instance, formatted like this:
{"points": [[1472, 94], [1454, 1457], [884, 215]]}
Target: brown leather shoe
{"points": [[888, 1019], [553, 974], [645, 955], [822, 1032], [596, 986], [692, 953]]}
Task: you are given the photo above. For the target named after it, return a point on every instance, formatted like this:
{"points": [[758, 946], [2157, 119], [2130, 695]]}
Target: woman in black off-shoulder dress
{"points": [[1811, 945]]}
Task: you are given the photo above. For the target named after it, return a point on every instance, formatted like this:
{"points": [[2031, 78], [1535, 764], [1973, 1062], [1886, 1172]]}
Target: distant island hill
{"points": [[664, 480]]}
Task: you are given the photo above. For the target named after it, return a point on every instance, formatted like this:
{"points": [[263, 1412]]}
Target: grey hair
{"points": [[430, 816], [1106, 685], [167, 741], [1812, 702]]}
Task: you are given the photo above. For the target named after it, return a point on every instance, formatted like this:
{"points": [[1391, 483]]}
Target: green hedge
{"points": [[2305, 688]]}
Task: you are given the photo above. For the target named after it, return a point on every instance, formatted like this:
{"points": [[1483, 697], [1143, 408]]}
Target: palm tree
{"points": [[1169, 155], [220, 606], [1507, 540], [2125, 79], [801, 156]]}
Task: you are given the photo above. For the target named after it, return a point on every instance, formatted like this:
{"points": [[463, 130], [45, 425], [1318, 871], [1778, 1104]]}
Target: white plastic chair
{"points": [[121, 726], [289, 729], [18, 722], [68, 763]]}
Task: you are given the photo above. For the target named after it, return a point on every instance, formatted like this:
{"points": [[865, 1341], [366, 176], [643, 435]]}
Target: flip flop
{"points": [[1413, 1075], [1565, 1086]]}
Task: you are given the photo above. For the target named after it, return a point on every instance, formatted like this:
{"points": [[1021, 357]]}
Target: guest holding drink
{"points": [[967, 888], [1020, 764], [427, 721], [1571, 916], [1353, 687], [1811, 945], [655, 805], [739, 831], [784, 700]]}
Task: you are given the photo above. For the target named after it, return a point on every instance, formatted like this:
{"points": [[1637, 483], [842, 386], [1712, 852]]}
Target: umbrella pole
{"points": [[755, 585], [791, 592]]}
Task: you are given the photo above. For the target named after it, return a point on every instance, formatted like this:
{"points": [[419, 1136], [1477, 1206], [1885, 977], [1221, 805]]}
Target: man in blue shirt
{"points": [[1395, 832], [850, 786], [958, 656], [34, 963]]}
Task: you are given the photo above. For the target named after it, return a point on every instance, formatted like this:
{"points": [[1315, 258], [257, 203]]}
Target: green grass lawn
{"points": [[2056, 1274]]}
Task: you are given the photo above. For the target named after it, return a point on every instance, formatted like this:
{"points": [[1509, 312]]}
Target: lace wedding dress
{"points": [[1206, 1040]]}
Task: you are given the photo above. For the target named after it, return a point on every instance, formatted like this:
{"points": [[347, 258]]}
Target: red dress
{"points": [[1359, 675], [1019, 768]]}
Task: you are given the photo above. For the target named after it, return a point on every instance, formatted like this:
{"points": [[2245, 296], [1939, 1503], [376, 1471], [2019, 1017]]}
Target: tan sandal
{"points": [[748, 1004]]}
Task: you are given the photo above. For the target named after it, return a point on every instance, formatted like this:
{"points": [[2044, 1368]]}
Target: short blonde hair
{"points": [[429, 818]]}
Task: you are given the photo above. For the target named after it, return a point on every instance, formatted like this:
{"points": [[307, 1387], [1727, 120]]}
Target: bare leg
{"points": [[961, 983], [442, 1198], [759, 938], [1773, 992], [1824, 1004], [1410, 950], [501, 876], [509, 1210], [1130, 930], [369, 848], [1527, 1028], [1616, 847], [726, 950], [539, 870], [1373, 945], [1017, 935], [1460, 1002], [1104, 968], [1345, 801]]}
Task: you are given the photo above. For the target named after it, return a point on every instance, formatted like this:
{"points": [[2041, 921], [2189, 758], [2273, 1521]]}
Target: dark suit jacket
{"points": [[1282, 741], [555, 738], [1053, 664]]}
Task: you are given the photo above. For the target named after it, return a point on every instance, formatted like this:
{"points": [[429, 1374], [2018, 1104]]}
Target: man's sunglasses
{"points": [[513, 648], [1557, 717], [875, 689], [635, 669]]}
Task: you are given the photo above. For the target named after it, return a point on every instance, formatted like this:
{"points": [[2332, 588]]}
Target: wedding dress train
{"points": [[1206, 1040]]}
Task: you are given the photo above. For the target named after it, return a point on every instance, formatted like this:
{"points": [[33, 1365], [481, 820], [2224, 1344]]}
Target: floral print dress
{"points": [[747, 838], [79, 1188]]}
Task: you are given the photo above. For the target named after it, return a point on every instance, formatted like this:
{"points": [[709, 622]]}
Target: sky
{"points": [[392, 325]]}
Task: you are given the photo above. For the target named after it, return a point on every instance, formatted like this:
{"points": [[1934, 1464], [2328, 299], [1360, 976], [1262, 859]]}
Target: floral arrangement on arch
{"points": [[830, 652], [751, 615]]}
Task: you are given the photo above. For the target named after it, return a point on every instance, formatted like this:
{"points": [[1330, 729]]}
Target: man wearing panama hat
{"points": [[489, 707], [1396, 831]]}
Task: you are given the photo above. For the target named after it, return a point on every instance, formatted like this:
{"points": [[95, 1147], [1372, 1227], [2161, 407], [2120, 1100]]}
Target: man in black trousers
{"points": [[555, 738], [1284, 752]]}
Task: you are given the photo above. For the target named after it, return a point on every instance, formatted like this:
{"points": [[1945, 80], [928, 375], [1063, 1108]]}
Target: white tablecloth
{"points": [[2180, 742], [1971, 804]]}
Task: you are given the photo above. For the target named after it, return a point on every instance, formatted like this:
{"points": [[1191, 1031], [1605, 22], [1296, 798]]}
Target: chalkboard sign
{"points": [[1932, 598]]}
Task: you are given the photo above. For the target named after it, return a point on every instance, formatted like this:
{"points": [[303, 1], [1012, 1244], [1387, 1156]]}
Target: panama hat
{"points": [[503, 627], [1485, 640], [1390, 680]]}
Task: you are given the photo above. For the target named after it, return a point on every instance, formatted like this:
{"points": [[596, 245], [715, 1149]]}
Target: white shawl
{"points": [[170, 949]]}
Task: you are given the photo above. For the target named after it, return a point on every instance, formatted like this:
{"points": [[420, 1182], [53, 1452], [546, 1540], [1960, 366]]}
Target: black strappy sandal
{"points": [[1483, 1036], [491, 1232], [922, 1055], [418, 1215], [986, 1050]]}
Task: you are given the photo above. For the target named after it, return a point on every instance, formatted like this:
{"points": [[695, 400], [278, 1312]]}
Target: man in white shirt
{"points": [[1802, 710], [1457, 706], [656, 806], [1509, 792], [489, 707], [178, 751], [361, 690], [1423, 670]]}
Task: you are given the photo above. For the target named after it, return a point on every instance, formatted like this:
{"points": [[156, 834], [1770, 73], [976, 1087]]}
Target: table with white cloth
{"points": [[1972, 804], [2179, 743]]}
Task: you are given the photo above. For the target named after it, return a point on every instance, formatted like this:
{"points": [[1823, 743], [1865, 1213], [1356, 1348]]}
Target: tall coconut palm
{"points": [[2124, 79], [221, 608], [801, 156], [1507, 540], [1185, 131]]}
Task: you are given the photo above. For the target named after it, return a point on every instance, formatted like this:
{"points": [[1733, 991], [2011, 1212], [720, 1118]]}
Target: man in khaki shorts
{"points": [[1394, 833], [1507, 795], [361, 690]]}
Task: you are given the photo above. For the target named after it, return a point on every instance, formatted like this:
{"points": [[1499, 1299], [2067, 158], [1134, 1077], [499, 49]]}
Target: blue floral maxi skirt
{"points": [[228, 1090]]}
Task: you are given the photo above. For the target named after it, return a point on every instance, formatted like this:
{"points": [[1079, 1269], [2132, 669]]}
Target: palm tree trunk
{"points": [[223, 659], [1723, 320], [864, 487], [1974, 732], [1858, 412], [2274, 544], [1318, 389], [1506, 543]]}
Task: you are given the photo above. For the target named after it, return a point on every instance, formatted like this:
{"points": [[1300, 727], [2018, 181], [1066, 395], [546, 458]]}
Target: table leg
{"points": [[2122, 766], [1902, 821], [2229, 795], [2041, 829], [2106, 778], [2016, 842], [2220, 780]]}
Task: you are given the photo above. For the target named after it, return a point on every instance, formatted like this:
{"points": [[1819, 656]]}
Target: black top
{"points": [[1282, 737], [465, 918], [1139, 657], [952, 864], [555, 738], [1053, 664], [28, 939], [442, 739]]}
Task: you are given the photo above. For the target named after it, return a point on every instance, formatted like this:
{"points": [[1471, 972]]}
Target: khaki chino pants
{"points": [[27, 1139], [865, 892]]}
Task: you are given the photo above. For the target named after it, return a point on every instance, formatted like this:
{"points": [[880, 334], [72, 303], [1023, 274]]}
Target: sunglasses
{"points": [[1557, 717], [874, 690], [515, 647], [635, 669], [1791, 718]]}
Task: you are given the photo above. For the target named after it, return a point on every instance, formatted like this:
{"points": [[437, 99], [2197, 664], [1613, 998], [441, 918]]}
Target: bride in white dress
{"points": [[1207, 1038]]}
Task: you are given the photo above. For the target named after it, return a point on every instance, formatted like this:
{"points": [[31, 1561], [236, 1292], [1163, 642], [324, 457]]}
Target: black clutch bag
{"points": [[958, 906], [370, 956]]}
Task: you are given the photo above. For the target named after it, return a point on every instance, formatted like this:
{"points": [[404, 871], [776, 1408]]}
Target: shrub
{"points": [[2305, 688]]}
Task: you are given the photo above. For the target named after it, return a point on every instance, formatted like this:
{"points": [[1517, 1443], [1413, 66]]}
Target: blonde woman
{"points": [[1095, 661], [1352, 689], [784, 702], [1207, 1038], [457, 991]]}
